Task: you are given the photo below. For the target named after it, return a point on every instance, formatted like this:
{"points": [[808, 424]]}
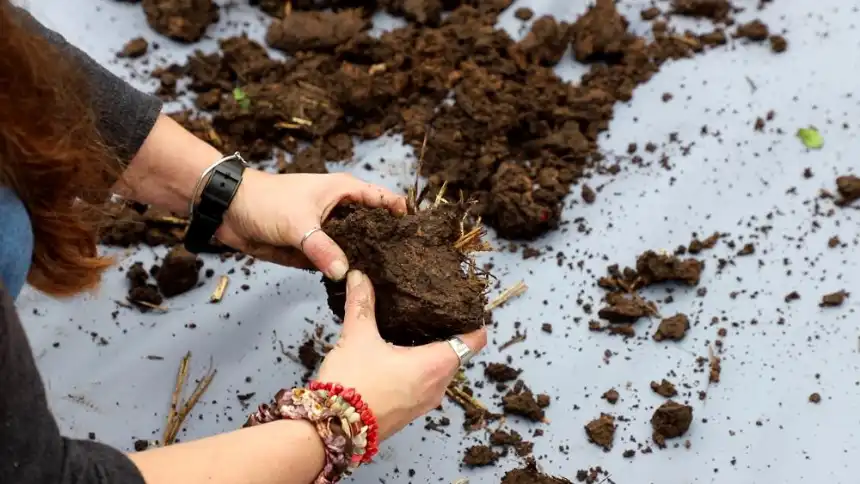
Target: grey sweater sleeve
{"points": [[125, 115], [32, 451]]}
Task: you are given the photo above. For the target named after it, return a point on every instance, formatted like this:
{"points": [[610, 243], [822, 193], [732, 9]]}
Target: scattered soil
{"points": [[308, 355], [715, 367], [422, 291], [624, 308], [716, 10], [588, 194], [778, 44], [611, 396], [140, 291], [179, 272], [500, 372], [665, 388], [756, 31], [317, 31], [815, 398], [546, 42], [601, 431], [479, 456], [672, 328], [500, 437], [181, 20], [849, 189], [520, 401], [524, 13], [834, 299], [653, 268], [670, 420], [650, 13], [529, 474], [134, 48]]}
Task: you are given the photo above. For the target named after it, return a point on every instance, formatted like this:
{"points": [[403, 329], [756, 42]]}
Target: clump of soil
{"points": [[529, 474], [140, 293], [546, 41], [624, 308], [601, 431], [778, 44], [134, 48], [181, 20], [714, 369], [815, 398], [480, 456], [848, 187], [611, 396], [521, 401], [756, 31], [834, 299], [665, 388], [423, 294], [653, 268], [717, 10], [670, 420], [600, 35], [308, 355], [672, 328], [315, 30], [179, 272], [524, 13], [500, 372]]}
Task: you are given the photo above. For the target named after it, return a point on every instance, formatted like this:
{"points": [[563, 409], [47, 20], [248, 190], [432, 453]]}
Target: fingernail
{"points": [[338, 270], [353, 279]]}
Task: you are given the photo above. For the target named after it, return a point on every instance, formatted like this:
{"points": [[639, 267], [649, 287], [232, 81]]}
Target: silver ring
{"points": [[305, 237], [462, 350]]}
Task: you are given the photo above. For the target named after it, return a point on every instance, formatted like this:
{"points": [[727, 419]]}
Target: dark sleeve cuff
{"points": [[124, 115], [94, 463]]}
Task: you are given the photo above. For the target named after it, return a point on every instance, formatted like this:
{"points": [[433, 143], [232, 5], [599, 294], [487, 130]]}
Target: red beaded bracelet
{"points": [[350, 396]]}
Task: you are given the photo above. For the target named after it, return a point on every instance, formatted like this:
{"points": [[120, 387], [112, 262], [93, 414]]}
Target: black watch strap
{"points": [[215, 198]]}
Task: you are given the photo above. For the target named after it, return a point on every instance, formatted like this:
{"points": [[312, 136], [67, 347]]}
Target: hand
{"points": [[271, 213], [399, 384]]}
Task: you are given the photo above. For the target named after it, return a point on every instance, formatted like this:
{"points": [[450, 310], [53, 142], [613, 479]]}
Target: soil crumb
{"points": [[778, 44], [654, 268], [834, 299], [179, 272], [717, 10], [672, 328], [546, 42], [665, 388], [181, 20], [423, 293], [134, 48], [308, 355], [600, 35], [623, 308], [529, 474], [315, 30], [480, 456], [611, 396], [521, 401], [670, 420], [601, 431], [500, 372], [815, 398], [524, 13], [756, 31], [848, 187]]}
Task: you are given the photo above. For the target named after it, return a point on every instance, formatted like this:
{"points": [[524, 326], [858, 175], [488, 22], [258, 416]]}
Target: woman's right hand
{"points": [[399, 384]]}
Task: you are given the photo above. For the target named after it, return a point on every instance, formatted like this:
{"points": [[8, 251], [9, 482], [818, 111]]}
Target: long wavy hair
{"points": [[52, 156]]}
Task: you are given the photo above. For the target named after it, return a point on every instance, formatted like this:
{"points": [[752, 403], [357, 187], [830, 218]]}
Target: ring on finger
{"points": [[461, 349], [305, 237]]}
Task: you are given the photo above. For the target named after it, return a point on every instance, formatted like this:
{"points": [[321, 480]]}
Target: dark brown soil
{"points": [[546, 41], [848, 187], [650, 13], [480, 456], [500, 372], [815, 398], [601, 34], [316, 31], [308, 355], [502, 438], [179, 272], [670, 420], [717, 10], [601, 431], [672, 328], [520, 401], [524, 13], [181, 20], [624, 308], [140, 293], [778, 44], [134, 48], [529, 474], [834, 299], [756, 31], [665, 388], [654, 268], [611, 396], [423, 293]]}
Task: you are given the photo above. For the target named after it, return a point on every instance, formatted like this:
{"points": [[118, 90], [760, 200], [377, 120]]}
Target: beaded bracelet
{"points": [[344, 422]]}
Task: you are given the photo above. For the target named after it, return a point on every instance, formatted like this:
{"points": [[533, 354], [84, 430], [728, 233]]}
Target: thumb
{"points": [[325, 254], [359, 315]]}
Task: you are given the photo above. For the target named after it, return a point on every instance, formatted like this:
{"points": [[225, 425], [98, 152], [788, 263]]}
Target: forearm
{"points": [[282, 452], [166, 167]]}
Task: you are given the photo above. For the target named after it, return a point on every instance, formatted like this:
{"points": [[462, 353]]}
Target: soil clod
{"points": [[672, 328], [601, 431], [665, 388], [181, 20], [179, 272], [670, 420]]}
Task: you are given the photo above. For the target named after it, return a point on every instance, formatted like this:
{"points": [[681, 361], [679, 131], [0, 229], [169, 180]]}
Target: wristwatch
{"points": [[220, 183]]}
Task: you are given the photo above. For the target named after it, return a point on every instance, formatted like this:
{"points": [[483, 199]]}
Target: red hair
{"points": [[52, 156]]}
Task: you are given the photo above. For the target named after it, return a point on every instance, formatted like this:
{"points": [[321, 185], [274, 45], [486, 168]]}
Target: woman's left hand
{"points": [[272, 213]]}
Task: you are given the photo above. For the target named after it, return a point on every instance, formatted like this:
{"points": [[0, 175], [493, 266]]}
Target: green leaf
{"points": [[241, 98], [811, 138]]}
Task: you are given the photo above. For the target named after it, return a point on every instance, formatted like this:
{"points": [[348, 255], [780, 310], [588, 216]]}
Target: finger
{"points": [[325, 254], [375, 196], [359, 314], [285, 256], [443, 358]]}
